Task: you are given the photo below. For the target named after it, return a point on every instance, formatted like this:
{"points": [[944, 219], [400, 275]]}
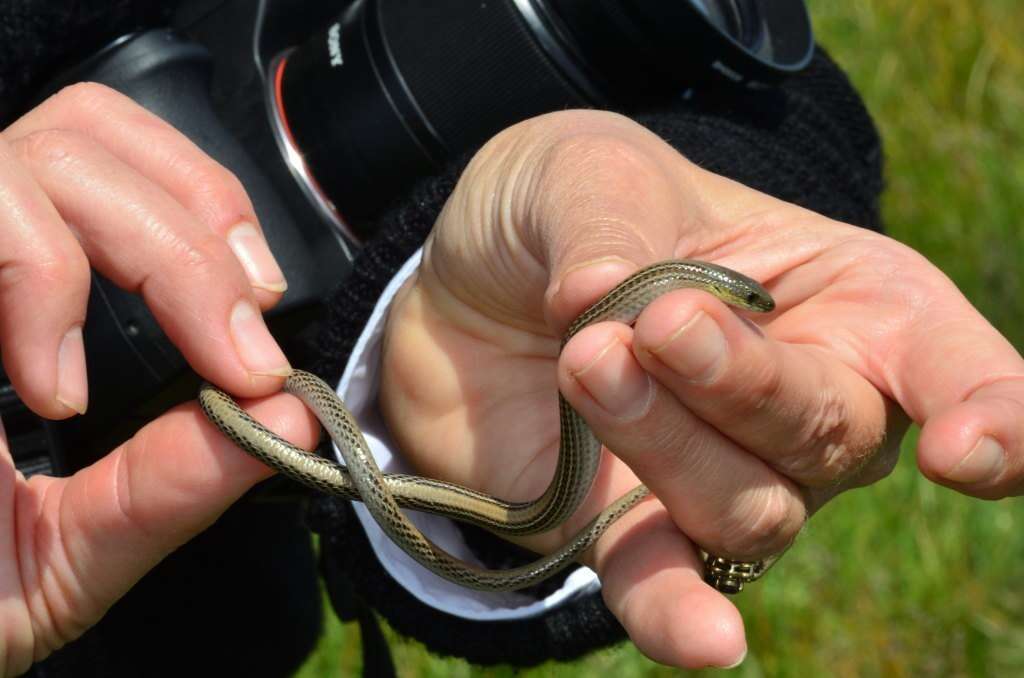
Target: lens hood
{"points": [[648, 46], [699, 35]]}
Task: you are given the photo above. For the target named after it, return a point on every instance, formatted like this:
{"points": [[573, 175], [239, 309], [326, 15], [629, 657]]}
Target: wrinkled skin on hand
{"points": [[742, 426], [739, 442], [90, 179]]}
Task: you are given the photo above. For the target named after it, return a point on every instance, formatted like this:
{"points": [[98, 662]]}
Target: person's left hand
{"points": [[740, 429]]}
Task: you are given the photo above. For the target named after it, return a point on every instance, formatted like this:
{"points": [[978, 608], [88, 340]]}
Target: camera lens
{"points": [[739, 19], [642, 49], [393, 88]]}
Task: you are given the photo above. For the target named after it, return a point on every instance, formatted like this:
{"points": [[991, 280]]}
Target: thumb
{"points": [[606, 198], [563, 205], [90, 537]]}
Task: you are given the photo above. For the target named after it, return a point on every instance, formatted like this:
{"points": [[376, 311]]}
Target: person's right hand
{"points": [[90, 178]]}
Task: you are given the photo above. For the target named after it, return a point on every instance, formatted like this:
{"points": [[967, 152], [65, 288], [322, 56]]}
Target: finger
{"points": [[168, 158], [85, 540], [955, 374], [40, 261], [809, 416], [725, 499], [651, 580], [607, 203], [188, 276], [976, 446]]}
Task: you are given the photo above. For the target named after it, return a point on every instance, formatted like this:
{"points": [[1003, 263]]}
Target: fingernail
{"points": [[618, 384], [738, 661], [252, 251], [257, 349], [72, 382], [696, 350], [984, 462]]}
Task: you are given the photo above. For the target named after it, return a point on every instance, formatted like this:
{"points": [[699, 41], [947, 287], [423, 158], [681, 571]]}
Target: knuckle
{"points": [[50, 267], [211, 192], [821, 450], [769, 523], [84, 96], [820, 442], [763, 387], [62, 268], [829, 419], [51, 146], [204, 258]]}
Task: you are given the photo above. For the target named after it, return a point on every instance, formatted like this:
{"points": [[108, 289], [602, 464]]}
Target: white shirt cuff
{"points": [[358, 388]]}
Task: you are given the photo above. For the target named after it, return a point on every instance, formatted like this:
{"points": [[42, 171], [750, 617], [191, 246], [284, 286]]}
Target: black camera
{"points": [[328, 112]]}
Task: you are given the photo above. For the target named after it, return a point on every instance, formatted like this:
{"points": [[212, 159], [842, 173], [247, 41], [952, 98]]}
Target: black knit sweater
{"points": [[242, 597]]}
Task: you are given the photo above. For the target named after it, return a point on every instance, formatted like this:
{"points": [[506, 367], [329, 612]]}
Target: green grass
{"points": [[903, 578]]}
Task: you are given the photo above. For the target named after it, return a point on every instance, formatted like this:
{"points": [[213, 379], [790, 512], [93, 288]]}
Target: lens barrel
{"points": [[643, 49], [394, 88]]}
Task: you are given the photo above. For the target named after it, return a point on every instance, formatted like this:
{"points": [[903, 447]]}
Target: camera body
{"points": [[327, 112]]}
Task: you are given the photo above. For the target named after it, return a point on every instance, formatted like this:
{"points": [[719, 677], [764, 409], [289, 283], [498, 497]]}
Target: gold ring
{"points": [[729, 576]]}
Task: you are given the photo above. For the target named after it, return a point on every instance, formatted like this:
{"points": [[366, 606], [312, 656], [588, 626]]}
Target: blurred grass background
{"points": [[904, 578]]}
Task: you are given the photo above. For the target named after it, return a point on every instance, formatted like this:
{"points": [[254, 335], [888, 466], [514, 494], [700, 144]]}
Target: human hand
{"points": [[740, 429], [90, 178]]}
